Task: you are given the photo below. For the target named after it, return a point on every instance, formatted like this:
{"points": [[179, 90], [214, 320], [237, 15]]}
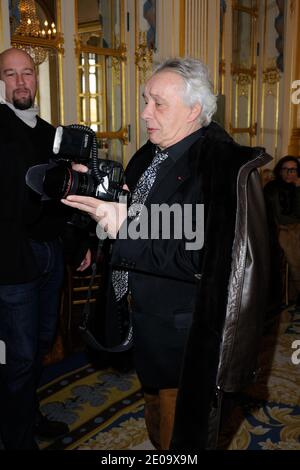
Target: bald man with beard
{"points": [[31, 252]]}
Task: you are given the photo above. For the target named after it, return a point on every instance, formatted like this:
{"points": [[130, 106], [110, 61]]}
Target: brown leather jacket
{"points": [[222, 348]]}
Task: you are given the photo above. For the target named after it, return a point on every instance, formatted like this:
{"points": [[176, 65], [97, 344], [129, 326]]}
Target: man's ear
{"points": [[195, 112], [2, 92], [36, 86]]}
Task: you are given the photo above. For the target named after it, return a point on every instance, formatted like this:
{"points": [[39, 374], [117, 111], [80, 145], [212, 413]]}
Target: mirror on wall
{"points": [[101, 70], [99, 22]]}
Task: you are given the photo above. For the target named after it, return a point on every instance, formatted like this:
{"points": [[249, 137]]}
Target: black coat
{"points": [[20, 209], [23, 215], [225, 296], [162, 272], [162, 276]]}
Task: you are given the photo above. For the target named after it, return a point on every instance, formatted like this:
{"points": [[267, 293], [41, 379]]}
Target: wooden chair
{"points": [[75, 292], [286, 283]]}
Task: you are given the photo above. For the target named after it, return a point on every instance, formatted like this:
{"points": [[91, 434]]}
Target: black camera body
{"points": [[73, 143], [57, 180]]}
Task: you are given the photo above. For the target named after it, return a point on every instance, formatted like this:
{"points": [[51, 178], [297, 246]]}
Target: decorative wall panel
{"points": [[271, 84], [102, 56], [243, 71]]}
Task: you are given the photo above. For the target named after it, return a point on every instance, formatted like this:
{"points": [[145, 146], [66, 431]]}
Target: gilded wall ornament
{"points": [[143, 57], [271, 76]]}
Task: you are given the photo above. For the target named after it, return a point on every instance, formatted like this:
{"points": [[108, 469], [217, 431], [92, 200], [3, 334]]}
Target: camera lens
{"points": [[60, 182]]}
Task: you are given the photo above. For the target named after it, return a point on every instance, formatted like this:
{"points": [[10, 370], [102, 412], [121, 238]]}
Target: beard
{"points": [[23, 103]]}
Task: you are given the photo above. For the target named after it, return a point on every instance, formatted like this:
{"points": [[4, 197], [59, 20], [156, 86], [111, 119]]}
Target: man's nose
{"points": [[20, 79], [146, 114]]}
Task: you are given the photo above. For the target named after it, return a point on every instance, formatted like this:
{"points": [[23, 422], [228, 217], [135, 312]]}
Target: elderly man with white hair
{"points": [[181, 256]]}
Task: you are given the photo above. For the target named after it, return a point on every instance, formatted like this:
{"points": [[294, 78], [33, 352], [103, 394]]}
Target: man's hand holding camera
{"points": [[110, 215], [82, 180]]}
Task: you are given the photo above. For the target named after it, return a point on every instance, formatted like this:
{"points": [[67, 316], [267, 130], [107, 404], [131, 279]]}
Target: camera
{"points": [[57, 180]]}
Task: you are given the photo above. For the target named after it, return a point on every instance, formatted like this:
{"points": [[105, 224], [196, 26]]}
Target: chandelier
{"points": [[30, 27]]}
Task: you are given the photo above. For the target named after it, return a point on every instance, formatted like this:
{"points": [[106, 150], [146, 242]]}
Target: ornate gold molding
{"points": [[244, 77], [243, 82], [121, 134], [252, 11], [116, 66], [271, 76], [143, 57], [37, 41], [119, 52], [236, 70], [252, 130], [55, 43], [90, 26]]}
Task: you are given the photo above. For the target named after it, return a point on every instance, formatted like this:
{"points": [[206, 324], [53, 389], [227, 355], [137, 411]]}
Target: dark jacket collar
{"points": [[177, 150]]}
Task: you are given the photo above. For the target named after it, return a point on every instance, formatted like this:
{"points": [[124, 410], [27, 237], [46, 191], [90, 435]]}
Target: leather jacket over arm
{"points": [[224, 339]]}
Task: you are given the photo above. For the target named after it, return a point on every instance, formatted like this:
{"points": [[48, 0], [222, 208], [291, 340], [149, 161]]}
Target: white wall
{"points": [[4, 25]]}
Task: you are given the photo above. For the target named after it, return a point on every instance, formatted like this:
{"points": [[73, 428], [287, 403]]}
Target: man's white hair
{"points": [[198, 85]]}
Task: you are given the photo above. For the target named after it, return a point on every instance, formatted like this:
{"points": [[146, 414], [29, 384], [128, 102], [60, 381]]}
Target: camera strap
{"points": [[89, 337]]}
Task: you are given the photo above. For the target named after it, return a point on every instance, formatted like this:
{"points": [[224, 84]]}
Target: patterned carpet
{"points": [[104, 409], [268, 415]]}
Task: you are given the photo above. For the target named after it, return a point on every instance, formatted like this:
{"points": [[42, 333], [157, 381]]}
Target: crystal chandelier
{"points": [[29, 22], [30, 27]]}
